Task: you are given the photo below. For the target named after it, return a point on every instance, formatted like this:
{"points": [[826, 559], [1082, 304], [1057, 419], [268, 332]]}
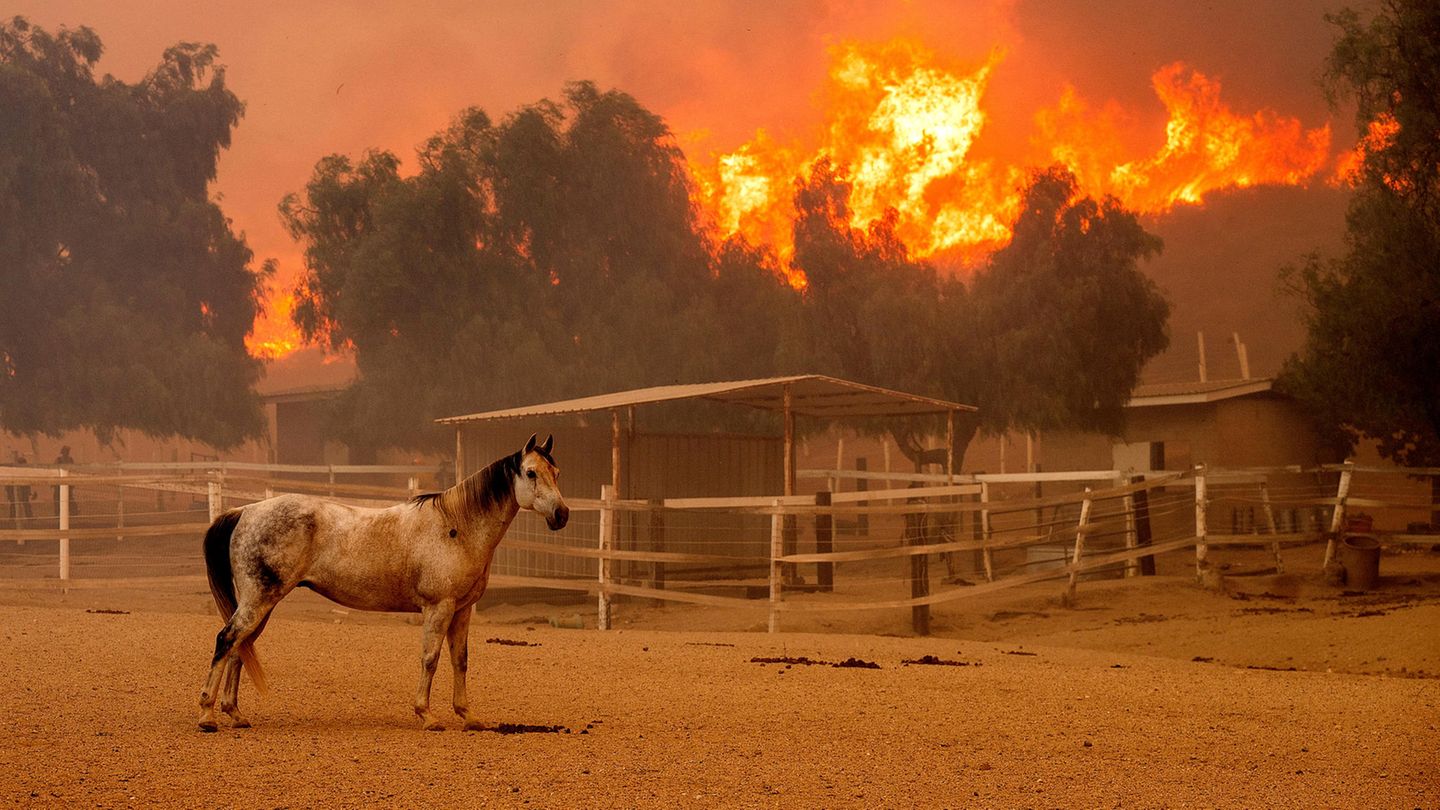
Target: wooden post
{"points": [[986, 531], [1080, 531], [1142, 526], [120, 512], [777, 534], [789, 418], [919, 570], [607, 542], [1132, 566], [64, 528], [950, 446], [862, 465], [1337, 518], [824, 543], [1039, 510], [213, 499], [412, 485], [977, 535], [459, 454], [615, 453], [1202, 549], [1200, 346], [332, 480], [1270, 525], [657, 542]]}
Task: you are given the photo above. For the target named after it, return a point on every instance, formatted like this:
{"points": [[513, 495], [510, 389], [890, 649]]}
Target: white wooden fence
{"points": [[862, 550]]}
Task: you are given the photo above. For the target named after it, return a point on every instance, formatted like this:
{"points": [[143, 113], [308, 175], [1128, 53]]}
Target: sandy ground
{"points": [[1279, 692]]}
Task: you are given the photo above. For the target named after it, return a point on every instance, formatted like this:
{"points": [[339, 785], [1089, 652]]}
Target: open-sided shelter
{"points": [[600, 440]]}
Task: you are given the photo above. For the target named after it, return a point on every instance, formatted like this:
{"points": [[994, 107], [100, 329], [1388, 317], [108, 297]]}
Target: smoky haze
{"points": [[334, 77]]}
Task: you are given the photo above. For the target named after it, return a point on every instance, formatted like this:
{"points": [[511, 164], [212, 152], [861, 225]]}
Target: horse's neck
{"points": [[480, 506]]}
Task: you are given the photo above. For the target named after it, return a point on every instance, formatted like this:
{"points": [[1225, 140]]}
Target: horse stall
{"points": [[688, 468]]}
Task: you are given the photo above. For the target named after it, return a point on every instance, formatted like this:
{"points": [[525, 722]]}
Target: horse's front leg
{"points": [[437, 619], [459, 638]]}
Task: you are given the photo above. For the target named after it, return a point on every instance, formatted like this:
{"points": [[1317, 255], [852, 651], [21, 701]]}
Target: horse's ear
{"points": [[549, 443], [530, 445]]}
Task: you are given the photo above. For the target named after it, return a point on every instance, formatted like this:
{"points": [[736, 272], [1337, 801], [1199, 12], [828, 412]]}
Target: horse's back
{"points": [[360, 557]]}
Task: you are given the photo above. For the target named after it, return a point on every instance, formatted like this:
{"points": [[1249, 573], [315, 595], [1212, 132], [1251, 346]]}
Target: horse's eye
{"points": [[530, 474]]}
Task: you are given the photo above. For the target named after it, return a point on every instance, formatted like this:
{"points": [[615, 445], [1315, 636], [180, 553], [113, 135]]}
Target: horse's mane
{"points": [[477, 494]]}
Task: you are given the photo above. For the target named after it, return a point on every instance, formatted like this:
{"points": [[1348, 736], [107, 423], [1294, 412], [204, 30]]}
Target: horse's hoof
{"points": [[241, 722], [209, 726], [474, 724], [434, 725]]}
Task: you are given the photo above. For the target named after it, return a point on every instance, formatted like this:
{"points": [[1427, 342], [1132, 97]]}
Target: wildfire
{"points": [[908, 131], [275, 334], [1378, 135]]}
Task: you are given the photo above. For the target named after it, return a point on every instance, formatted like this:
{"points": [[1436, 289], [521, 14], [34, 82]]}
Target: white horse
{"points": [[430, 555]]}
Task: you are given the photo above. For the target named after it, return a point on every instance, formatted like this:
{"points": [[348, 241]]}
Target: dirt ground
{"points": [[1278, 692]]}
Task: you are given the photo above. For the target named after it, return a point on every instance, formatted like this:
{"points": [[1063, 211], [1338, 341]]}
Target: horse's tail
{"points": [[222, 586]]}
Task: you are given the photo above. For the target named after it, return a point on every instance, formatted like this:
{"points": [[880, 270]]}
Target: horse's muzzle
{"points": [[557, 521]]}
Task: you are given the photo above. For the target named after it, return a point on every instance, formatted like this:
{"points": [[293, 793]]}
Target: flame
{"points": [[910, 131], [274, 334], [1379, 134]]}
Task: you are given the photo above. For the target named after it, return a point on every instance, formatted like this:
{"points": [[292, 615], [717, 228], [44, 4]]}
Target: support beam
{"points": [[950, 446], [789, 417], [615, 453]]}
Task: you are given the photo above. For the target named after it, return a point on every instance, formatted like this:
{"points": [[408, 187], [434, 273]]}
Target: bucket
{"points": [[1360, 554]]}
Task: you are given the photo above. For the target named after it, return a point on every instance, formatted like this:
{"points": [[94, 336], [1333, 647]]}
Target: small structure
{"points": [[598, 442], [1175, 426]]}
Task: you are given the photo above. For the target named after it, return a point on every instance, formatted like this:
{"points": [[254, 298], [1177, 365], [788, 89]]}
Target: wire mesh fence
{"points": [[910, 546]]}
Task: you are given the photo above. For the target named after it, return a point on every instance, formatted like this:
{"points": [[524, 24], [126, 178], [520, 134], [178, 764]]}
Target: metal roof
{"points": [[1196, 392], [811, 395]]}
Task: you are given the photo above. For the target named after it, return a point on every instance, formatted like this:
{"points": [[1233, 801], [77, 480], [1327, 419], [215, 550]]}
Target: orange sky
{"points": [[327, 77]]}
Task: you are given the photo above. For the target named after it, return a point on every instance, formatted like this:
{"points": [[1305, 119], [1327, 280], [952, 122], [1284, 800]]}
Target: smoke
{"points": [[327, 77]]}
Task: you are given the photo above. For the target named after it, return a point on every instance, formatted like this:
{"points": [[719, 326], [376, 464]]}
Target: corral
{"points": [[1274, 690]]}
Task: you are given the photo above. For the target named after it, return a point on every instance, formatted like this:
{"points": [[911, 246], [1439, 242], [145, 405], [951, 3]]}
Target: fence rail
{"points": [[842, 551]]}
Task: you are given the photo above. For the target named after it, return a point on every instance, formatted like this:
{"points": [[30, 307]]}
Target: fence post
{"points": [[1132, 565], [777, 550], [919, 568], [985, 532], [824, 543], [862, 484], [412, 484], [1080, 531], [1202, 549], [1337, 519], [1270, 524], [64, 527], [657, 542], [607, 542], [120, 512], [213, 495], [1142, 526]]}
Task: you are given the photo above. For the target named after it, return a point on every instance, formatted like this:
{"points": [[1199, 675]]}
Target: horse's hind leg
{"points": [[230, 688], [437, 619], [242, 625], [459, 638]]}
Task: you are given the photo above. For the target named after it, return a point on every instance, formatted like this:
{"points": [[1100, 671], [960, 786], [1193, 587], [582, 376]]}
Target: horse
{"points": [[430, 555]]}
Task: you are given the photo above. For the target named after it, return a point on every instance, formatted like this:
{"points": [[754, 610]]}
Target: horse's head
{"points": [[537, 485]]}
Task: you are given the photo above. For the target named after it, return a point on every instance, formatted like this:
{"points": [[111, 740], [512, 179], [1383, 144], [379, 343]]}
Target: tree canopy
{"points": [[1051, 333], [559, 253], [554, 254], [125, 297], [1368, 366]]}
